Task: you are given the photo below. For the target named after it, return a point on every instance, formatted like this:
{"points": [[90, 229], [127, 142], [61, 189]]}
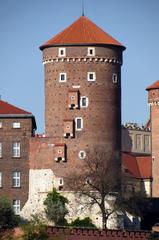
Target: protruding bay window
{"points": [[73, 98], [60, 152], [68, 128]]}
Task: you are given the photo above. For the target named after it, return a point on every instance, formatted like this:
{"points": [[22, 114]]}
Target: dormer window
{"points": [[60, 152], [16, 125], [62, 52], [73, 98], [91, 51], [91, 76], [62, 77], [68, 128]]}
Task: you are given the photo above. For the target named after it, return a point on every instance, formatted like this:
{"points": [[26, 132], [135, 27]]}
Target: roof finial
{"points": [[82, 7]]}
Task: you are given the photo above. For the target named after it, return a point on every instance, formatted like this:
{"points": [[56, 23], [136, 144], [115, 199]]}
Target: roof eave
{"points": [[42, 47], [21, 116], [14, 115]]}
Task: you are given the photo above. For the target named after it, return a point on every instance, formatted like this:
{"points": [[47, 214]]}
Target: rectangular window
{"points": [[138, 141], [79, 123], [16, 179], [91, 76], [84, 102], [16, 125], [60, 181], [146, 143], [0, 150], [16, 206], [115, 78], [91, 51], [62, 52], [0, 179], [0, 124], [62, 77], [16, 149]]}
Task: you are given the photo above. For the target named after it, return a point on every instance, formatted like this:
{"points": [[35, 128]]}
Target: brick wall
{"points": [[95, 234], [102, 117], [9, 164], [153, 98]]}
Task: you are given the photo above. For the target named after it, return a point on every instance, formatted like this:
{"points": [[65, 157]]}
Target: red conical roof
{"points": [[82, 32], [6, 108], [153, 86]]}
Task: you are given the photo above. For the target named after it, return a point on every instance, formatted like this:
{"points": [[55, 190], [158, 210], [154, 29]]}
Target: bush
{"points": [[7, 217], [86, 222], [34, 230], [154, 236], [55, 208]]}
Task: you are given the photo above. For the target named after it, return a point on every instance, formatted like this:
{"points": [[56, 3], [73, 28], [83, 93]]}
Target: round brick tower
{"points": [[83, 90]]}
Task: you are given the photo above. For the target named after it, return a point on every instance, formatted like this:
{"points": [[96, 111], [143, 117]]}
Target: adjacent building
{"points": [[153, 100], [17, 126]]}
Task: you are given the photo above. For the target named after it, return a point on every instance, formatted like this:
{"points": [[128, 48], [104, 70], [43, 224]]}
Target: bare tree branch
{"points": [[97, 178]]}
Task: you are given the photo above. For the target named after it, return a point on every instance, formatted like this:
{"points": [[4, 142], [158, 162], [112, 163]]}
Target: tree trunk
{"points": [[104, 221], [104, 217]]}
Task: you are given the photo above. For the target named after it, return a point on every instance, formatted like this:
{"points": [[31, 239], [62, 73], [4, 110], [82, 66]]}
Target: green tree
{"points": [[7, 217], [55, 208]]}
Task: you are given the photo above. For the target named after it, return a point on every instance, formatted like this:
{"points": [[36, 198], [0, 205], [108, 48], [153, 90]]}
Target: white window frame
{"points": [[65, 77], [64, 52], [1, 124], [94, 76], [60, 182], [86, 101], [1, 154], [16, 179], [16, 206], [16, 125], [115, 78], [80, 154], [93, 51], [0, 179], [76, 119], [16, 149]]}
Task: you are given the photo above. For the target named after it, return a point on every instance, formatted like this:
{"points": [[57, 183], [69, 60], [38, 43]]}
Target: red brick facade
{"points": [[101, 119], [15, 133], [94, 234], [153, 99]]}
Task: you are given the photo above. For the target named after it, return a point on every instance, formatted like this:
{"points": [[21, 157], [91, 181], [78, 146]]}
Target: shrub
{"points": [[34, 229], [7, 217], [86, 222], [55, 208], [154, 236]]}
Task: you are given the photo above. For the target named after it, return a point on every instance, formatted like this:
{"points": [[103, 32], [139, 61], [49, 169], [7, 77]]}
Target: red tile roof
{"points": [[153, 86], [6, 108], [137, 166], [82, 31]]}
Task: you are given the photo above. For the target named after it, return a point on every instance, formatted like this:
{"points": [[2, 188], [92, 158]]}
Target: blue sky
{"points": [[25, 25]]}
